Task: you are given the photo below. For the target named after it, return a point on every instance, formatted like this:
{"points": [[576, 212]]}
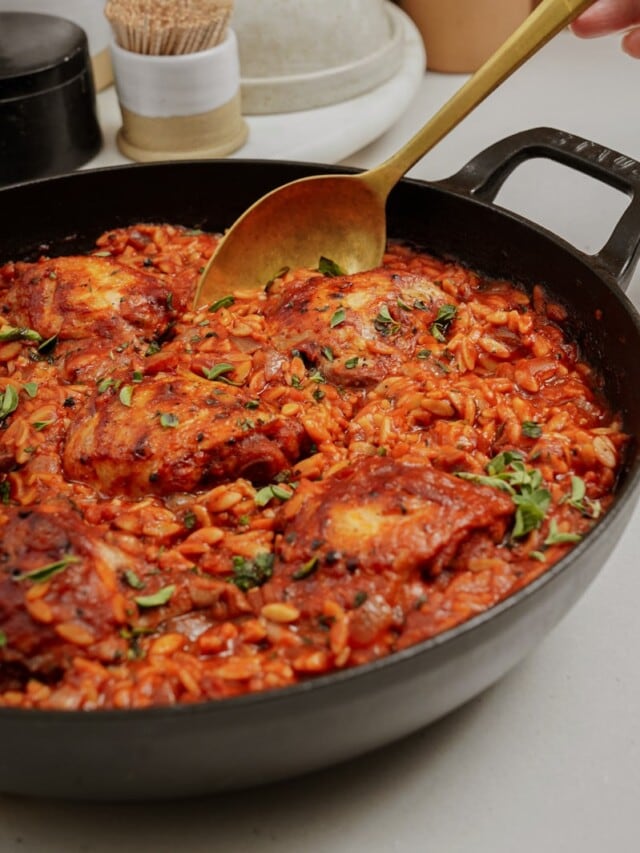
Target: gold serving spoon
{"points": [[342, 217]]}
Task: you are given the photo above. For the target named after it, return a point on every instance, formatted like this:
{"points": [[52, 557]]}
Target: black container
{"points": [[48, 121]]}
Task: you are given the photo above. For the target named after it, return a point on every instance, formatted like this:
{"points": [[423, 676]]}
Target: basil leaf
{"points": [[30, 389], [350, 363], [14, 333], [307, 569], [531, 429], [330, 268], [218, 371], [249, 573], [384, 322], [578, 499], [3, 639], [266, 494], [45, 572], [156, 599], [445, 316], [339, 317], [327, 352], [530, 512], [225, 302], [133, 580], [126, 394], [8, 402], [555, 537], [48, 345], [169, 420]]}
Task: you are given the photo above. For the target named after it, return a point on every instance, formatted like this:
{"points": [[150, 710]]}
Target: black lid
{"points": [[38, 52]]}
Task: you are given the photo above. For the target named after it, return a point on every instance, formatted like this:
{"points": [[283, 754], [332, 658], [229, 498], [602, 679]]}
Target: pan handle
{"points": [[483, 176]]}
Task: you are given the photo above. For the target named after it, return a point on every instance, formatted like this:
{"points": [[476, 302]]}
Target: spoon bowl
{"points": [[336, 216], [343, 217]]}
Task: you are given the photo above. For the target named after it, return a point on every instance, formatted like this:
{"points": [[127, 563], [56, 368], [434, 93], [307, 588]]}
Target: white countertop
{"points": [[549, 758]]}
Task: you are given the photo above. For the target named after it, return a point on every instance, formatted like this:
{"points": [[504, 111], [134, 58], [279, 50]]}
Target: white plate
{"points": [[324, 135]]}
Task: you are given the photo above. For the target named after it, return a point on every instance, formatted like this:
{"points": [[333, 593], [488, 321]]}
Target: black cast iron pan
{"points": [[181, 751]]}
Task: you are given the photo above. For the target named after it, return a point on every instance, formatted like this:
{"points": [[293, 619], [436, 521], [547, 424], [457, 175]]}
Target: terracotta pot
{"points": [[460, 35]]}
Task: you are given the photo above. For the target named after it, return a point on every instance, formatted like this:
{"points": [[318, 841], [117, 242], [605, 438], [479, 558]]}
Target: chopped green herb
{"points": [[40, 425], [252, 404], [8, 402], [133, 580], [318, 394], [45, 572], [189, 520], [193, 232], [439, 327], [578, 499], [327, 352], [339, 317], [153, 348], [217, 372], [168, 420], [13, 333], [531, 429], [328, 267], [249, 573], [403, 305], [295, 382], [359, 598], [307, 569], [225, 302], [507, 472], [244, 520], [384, 322], [351, 362], [266, 494], [424, 353], [126, 393], [48, 345], [104, 384], [281, 272], [137, 376], [316, 376], [538, 555], [157, 599], [556, 537], [5, 492], [3, 639], [30, 389]]}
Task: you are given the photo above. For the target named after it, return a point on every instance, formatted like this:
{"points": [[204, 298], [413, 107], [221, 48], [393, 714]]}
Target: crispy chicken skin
{"points": [[48, 536], [378, 514], [173, 434], [357, 328], [85, 297]]}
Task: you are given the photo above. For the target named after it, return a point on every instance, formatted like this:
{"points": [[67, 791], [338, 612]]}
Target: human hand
{"points": [[610, 16]]}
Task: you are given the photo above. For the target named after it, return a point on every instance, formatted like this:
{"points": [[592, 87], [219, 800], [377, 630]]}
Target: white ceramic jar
{"points": [[300, 54]]}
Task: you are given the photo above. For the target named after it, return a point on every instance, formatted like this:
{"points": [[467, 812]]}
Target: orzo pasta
{"points": [[198, 504]]}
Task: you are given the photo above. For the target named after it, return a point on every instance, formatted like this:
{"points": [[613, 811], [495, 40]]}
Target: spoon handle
{"points": [[539, 27]]}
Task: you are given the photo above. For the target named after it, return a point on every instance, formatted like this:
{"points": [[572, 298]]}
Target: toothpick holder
{"points": [[177, 107]]}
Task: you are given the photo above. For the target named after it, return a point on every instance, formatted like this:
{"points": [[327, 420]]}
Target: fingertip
{"points": [[631, 43]]}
